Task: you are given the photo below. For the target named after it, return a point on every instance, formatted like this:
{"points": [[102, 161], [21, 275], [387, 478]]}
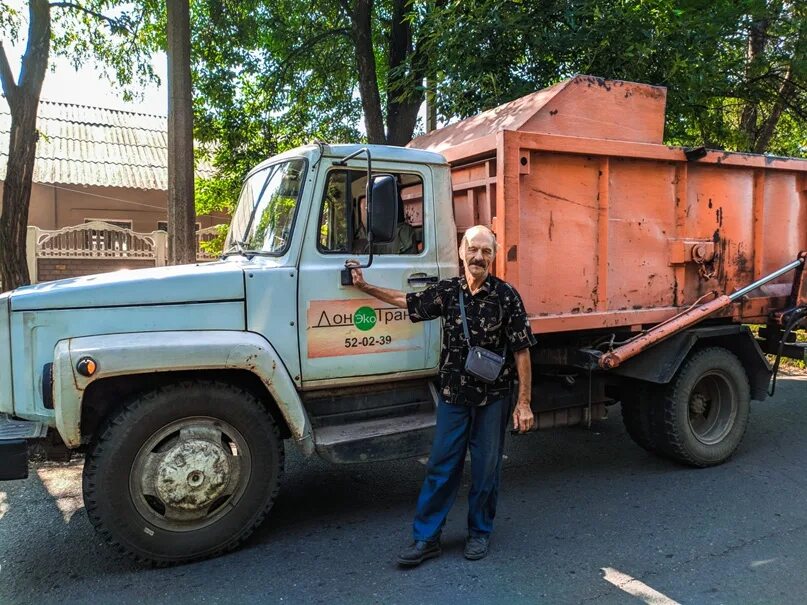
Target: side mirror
{"points": [[383, 208]]}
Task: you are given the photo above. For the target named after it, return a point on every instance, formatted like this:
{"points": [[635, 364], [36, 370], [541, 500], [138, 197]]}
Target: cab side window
{"points": [[343, 215]]}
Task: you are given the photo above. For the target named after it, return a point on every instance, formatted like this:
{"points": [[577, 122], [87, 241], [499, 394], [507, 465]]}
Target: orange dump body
{"points": [[600, 225]]}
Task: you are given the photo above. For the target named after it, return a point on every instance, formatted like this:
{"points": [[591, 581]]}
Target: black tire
{"points": [[637, 408], [184, 472], [705, 408]]}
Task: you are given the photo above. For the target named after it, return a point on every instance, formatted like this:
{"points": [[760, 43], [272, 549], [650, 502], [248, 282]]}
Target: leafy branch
{"points": [[119, 25]]}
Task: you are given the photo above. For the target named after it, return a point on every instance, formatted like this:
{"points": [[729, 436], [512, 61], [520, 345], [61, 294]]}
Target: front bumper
{"points": [[13, 459], [14, 436]]}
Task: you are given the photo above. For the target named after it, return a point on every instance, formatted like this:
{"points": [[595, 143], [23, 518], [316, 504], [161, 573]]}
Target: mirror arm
{"points": [[348, 213], [346, 275]]}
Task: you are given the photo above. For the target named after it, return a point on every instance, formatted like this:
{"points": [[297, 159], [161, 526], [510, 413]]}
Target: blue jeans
{"points": [[458, 428]]}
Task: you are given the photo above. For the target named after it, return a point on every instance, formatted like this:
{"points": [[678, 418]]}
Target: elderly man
{"points": [[471, 412]]}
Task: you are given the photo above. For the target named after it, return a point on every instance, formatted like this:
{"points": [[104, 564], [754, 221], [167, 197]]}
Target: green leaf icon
{"points": [[364, 318]]}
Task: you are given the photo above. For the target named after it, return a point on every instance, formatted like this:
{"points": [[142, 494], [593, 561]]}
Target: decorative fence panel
{"points": [[96, 247], [97, 239], [204, 236]]}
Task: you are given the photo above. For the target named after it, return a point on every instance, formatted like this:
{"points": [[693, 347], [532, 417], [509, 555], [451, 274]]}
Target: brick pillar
{"points": [[30, 251], [160, 248]]}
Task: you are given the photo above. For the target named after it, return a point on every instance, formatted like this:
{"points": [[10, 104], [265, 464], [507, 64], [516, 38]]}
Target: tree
{"points": [[79, 37], [270, 76], [181, 210], [776, 60], [735, 69], [22, 96]]}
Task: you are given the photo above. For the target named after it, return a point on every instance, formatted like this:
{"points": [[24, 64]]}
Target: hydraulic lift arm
{"points": [[788, 318]]}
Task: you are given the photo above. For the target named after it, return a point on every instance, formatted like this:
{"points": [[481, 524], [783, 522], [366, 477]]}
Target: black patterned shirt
{"points": [[495, 316]]}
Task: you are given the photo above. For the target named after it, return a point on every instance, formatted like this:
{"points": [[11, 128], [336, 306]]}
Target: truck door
{"points": [[344, 333]]}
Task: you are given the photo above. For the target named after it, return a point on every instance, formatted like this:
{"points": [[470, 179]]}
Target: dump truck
{"points": [[640, 266]]}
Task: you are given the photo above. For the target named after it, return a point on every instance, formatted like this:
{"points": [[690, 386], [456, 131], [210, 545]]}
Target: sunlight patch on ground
{"points": [[64, 484], [3, 504], [634, 587]]}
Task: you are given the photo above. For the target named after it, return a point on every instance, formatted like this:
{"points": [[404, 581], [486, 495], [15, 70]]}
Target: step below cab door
{"points": [[344, 333]]}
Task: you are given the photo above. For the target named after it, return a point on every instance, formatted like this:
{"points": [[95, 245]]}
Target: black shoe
{"points": [[476, 547], [419, 551]]}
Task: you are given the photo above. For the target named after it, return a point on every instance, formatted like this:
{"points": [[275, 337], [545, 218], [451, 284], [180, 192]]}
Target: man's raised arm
{"points": [[388, 295]]}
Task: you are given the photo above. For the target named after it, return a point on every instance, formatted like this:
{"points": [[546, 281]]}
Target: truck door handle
{"points": [[421, 279]]}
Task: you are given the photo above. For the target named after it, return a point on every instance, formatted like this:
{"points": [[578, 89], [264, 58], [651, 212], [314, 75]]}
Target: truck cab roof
{"points": [[387, 153]]}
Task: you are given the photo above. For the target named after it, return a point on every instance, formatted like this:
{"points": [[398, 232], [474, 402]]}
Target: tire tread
{"points": [[668, 432], [124, 417]]}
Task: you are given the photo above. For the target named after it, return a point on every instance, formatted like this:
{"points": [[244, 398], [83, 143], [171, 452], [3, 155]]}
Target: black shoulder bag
{"points": [[481, 363]]}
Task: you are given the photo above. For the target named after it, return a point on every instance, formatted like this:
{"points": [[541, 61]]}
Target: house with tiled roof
{"points": [[98, 164]]}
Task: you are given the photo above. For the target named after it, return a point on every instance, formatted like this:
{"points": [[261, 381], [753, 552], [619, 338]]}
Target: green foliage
{"points": [[111, 34], [215, 245], [699, 49], [10, 20], [272, 76], [787, 364]]}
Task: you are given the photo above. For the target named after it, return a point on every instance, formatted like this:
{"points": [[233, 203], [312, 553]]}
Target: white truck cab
{"points": [[181, 384]]}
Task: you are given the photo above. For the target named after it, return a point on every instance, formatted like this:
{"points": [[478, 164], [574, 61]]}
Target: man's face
{"points": [[477, 253]]}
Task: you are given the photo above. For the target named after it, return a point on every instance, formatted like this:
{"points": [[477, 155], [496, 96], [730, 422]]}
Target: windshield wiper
{"points": [[237, 247]]}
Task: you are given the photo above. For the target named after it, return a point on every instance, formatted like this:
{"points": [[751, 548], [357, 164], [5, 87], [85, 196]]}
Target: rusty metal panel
{"points": [[641, 222], [785, 220], [720, 207], [474, 187], [557, 242], [596, 108]]}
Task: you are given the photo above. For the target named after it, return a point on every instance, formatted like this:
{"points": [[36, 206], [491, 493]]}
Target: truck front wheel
{"points": [[184, 472], [705, 409]]}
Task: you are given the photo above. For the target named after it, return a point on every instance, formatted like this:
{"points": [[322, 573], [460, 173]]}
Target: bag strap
{"points": [[464, 321], [465, 324]]}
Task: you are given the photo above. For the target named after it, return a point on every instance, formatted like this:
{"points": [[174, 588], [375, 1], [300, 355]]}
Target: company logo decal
{"points": [[357, 327], [364, 319]]}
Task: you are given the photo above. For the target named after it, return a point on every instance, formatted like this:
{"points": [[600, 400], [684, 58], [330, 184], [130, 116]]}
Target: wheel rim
{"points": [[190, 473], [712, 407]]}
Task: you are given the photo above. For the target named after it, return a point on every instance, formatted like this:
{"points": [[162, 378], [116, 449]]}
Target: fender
{"points": [[661, 361], [145, 353]]}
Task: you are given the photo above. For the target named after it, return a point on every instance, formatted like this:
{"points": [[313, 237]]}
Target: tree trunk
{"points": [[23, 101], [181, 207], [404, 89], [362, 32], [757, 40], [431, 105], [766, 131]]}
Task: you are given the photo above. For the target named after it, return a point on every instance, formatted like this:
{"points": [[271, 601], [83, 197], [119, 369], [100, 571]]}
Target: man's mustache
{"points": [[478, 263]]}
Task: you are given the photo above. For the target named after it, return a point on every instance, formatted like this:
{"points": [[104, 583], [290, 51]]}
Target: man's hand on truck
{"points": [[396, 298]]}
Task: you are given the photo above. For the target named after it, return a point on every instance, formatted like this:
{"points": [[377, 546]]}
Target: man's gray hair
{"points": [[468, 233]]}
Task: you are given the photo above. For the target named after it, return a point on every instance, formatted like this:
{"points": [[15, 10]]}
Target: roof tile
{"points": [[82, 145]]}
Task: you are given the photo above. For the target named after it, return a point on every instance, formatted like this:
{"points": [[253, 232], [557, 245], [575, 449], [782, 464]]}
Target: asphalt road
{"points": [[585, 516]]}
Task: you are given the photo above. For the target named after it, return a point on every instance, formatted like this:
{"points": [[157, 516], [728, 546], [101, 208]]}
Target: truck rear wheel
{"points": [[705, 409], [637, 406], [185, 472]]}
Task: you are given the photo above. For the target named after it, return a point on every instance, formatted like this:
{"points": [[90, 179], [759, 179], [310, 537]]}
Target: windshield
{"points": [[266, 208]]}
